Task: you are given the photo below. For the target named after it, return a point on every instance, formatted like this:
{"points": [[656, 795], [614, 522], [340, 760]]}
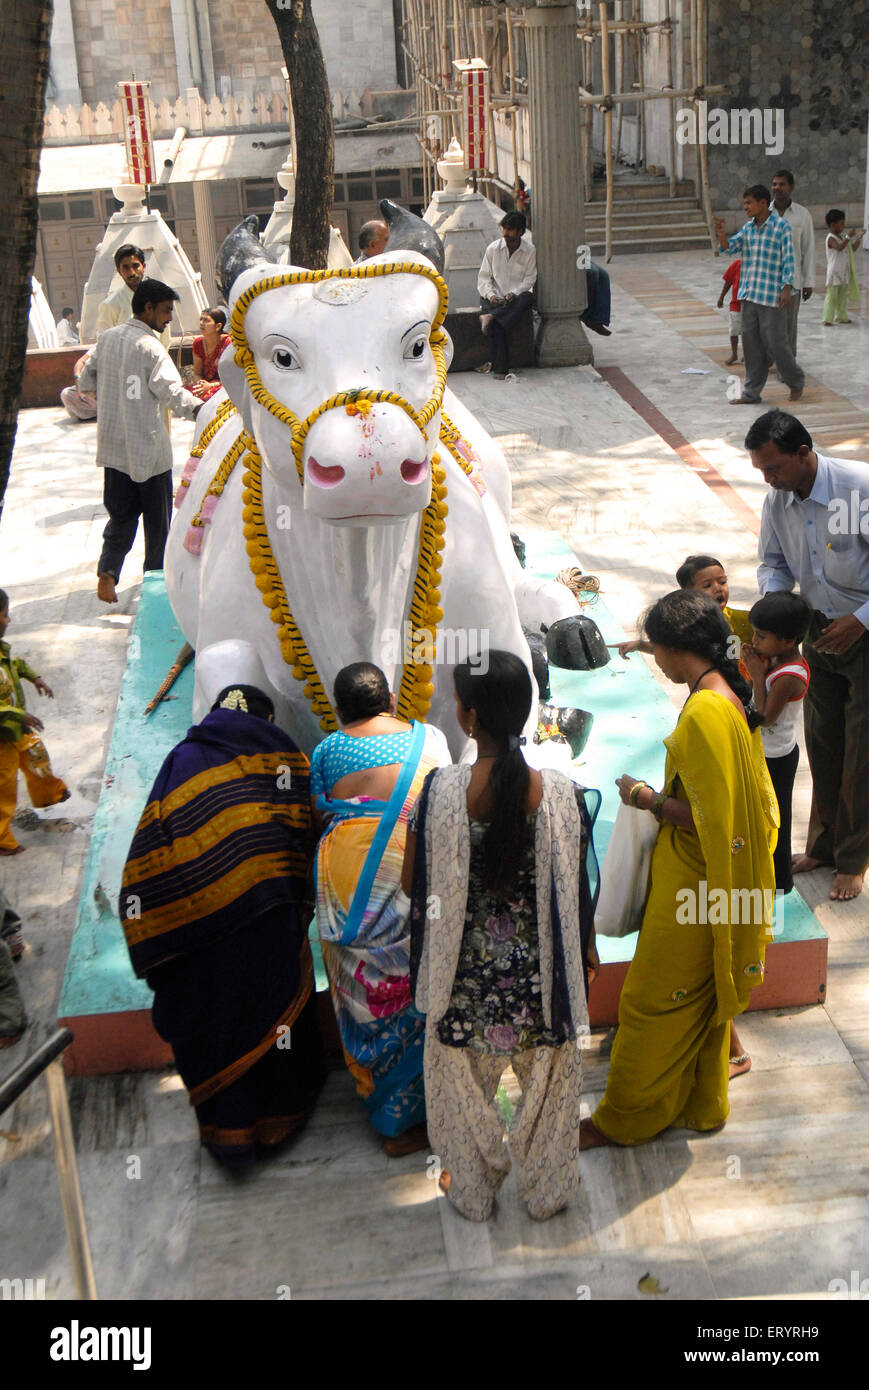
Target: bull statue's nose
{"points": [[323, 475], [413, 472]]}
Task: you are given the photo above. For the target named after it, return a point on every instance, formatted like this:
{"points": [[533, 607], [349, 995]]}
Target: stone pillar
{"points": [[206, 238], [64, 60], [557, 191]]}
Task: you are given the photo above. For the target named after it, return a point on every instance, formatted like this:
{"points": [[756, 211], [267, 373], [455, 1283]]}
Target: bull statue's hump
{"points": [[239, 250], [407, 232]]}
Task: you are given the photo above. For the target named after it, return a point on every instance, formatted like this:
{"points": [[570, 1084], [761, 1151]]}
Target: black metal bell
{"points": [[575, 644]]}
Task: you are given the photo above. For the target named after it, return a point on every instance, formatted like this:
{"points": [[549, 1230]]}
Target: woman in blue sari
{"points": [[364, 782]]}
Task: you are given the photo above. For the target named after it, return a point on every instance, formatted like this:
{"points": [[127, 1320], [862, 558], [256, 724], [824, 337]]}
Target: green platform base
{"points": [[108, 1009]]}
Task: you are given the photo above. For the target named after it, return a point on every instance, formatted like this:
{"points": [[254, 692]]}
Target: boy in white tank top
{"points": [[780, 678]]}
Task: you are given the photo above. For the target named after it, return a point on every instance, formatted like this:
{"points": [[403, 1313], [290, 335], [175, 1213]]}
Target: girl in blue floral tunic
{"points": [[497, 866]]}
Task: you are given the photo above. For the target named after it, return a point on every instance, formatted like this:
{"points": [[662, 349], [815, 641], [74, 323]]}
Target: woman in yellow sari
{"points": [[711, 897]]}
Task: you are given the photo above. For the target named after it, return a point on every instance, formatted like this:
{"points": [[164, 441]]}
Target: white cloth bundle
{"points": [[625, 873]]}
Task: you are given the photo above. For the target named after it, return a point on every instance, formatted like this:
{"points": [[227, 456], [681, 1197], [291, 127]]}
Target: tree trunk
{"points": [[25, 26], [315, 141]]}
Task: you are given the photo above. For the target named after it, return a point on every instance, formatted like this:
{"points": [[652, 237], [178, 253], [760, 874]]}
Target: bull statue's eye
{"points": [[415, 350], [285, 358]]}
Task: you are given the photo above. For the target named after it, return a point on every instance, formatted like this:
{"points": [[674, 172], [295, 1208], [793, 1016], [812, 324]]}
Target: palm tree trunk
{"points": [[25, 26], [315, 141]]}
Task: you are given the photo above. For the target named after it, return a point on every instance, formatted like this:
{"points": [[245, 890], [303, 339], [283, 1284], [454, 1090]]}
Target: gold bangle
{"points": [[633, 794]]}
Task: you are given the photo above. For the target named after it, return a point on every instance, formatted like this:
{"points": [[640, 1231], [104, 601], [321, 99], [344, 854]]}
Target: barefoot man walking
{"points": [[135, 379], [815, 533]]}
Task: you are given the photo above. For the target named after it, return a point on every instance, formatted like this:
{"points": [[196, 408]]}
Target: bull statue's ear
{"points": [[235, 381], [240, 250], [407, 232], [449, 350]]}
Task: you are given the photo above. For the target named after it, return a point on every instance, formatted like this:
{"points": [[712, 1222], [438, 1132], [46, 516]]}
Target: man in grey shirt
{"points": [[815, 533], [135, 379], [803, 233]]}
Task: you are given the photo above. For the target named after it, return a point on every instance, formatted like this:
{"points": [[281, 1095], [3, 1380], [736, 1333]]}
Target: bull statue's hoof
{"points": [[573, 725], [539, 661], [575, 644]]}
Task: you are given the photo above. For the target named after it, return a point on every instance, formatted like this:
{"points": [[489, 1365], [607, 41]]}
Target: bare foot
{"points": [[19, 849], [744, 400], [844, 320], [804, 864], [729, 361], [106, 588], [795, 395], [590, 1137], [739, 1065], [410, 1142], [500, 376], [846, 886]]}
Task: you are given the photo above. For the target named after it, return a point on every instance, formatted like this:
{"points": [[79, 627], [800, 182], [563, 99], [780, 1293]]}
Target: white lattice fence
{"points": [[102, 122]]}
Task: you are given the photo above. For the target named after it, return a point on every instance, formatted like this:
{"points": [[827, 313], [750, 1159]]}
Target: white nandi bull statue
{"points": [[342, 506]]}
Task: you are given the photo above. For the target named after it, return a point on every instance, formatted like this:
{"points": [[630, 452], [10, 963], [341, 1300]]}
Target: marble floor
{"points": [[776, 1204]]}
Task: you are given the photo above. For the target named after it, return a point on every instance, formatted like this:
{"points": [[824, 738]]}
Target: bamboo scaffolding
{"points": [[620, 71], [608, 130], [701, 144], [602, 100], [671, 132]]}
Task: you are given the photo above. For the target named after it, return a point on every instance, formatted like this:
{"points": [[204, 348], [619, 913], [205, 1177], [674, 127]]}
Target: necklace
{"points": [[699, 679]]}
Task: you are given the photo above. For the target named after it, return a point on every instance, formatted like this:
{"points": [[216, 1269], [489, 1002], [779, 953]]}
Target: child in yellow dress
{"points": [[20, 747]]}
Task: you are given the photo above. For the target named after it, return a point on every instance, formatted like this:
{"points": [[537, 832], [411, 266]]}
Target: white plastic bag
{"points": [[624, 876]]}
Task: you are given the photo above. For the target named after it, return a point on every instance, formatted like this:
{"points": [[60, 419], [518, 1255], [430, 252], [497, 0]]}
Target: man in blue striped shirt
{"points": [[766, 278]]}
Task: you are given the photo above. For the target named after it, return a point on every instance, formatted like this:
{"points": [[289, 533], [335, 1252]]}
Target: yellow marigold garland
{"points": [[221, 415], [223, 474]]}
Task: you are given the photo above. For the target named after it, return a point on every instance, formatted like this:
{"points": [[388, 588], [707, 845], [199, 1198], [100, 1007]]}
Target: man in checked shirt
{"points": [[766, 248]]}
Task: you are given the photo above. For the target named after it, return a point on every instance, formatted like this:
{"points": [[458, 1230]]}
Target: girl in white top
{"points": [[780, 678], [840, 267]]}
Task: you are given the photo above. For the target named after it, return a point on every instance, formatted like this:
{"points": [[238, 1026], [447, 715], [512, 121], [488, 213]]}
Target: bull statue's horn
{"points": [[240, 250], [407, 232]]}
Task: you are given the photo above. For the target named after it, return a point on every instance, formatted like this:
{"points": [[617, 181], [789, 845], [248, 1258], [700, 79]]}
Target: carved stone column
{"points": [[557, 190]]}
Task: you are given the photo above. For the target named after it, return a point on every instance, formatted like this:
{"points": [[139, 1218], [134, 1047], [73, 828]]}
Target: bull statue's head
{"points": [[339, 374]]}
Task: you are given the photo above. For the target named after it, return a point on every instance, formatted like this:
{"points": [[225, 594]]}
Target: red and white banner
{"points": [[474, 79], [137, 132]]}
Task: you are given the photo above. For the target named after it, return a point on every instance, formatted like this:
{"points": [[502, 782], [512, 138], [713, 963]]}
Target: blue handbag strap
{"points": [[387, 824]]}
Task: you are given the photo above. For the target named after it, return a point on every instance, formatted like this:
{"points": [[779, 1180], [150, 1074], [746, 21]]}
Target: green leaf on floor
{"points": [[649, 1284]]}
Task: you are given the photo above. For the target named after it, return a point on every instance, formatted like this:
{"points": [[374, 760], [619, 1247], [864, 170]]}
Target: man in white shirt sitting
{"points": [[505, 283], [135, 379], [803, 232], [66, 334]]}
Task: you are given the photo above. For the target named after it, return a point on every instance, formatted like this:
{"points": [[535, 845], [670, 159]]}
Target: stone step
{"points": [[647, 245], [650, 205], [633, 190], [638, 216]]}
